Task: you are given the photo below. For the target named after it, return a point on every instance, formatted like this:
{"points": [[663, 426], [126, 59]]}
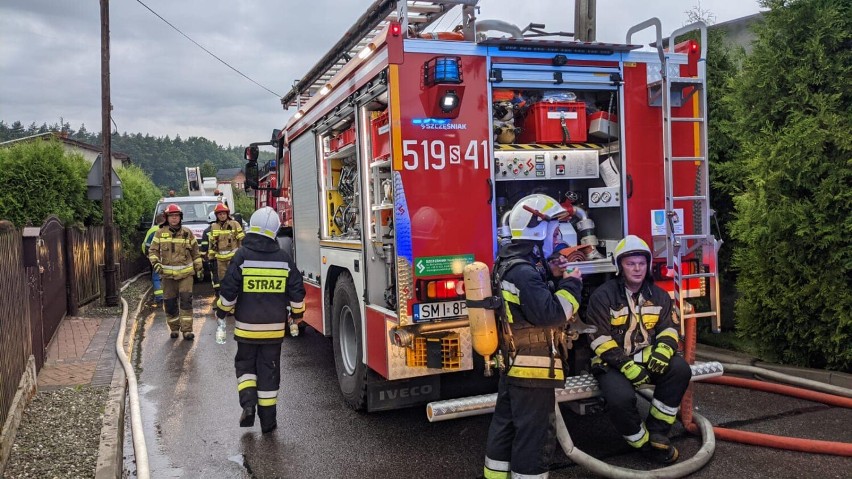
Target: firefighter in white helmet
{"points": [[261, 283], [636, 344], [174, 255], [521, 438], [226, 234]]}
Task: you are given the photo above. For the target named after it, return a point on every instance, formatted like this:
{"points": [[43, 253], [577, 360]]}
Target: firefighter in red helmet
{"points": [[636, 344], [539, 302], [174, 255], [226, 234]]}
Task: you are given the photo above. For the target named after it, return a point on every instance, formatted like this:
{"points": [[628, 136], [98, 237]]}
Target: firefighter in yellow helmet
{"points": [[635, 344], [259, 286], [226, 234], [521, 437], [174, 255]]}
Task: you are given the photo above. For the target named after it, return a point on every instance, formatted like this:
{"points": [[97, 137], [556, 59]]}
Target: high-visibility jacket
{"points": [[149, 237], [536, 317], [261, 282], [628, 327], [177, 251], [225, 238], [204, 244]]}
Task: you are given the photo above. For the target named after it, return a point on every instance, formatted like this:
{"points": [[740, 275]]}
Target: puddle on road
{"points": [[243, 462]]}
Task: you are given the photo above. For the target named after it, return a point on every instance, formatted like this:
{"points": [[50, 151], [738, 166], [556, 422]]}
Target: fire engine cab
{"points": [[408, 147]]}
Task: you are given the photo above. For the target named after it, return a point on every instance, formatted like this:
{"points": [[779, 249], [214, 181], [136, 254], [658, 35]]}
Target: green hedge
{"points": [[794, 215], [41, 178]]}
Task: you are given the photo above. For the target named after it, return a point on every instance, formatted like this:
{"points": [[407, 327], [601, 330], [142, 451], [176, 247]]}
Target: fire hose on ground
{"points": [[140, 449]]}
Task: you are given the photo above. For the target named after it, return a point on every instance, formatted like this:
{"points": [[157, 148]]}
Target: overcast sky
{"points": [[163, 84]]}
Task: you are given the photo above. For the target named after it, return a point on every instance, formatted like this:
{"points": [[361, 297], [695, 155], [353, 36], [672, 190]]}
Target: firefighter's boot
{"points": [[267, 414], [247, 417], [660, 449], [186, 327], [174, 326]]}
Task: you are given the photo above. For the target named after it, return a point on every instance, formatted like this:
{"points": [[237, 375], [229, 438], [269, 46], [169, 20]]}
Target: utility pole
{"points": [[585, 12], [110, 296]]}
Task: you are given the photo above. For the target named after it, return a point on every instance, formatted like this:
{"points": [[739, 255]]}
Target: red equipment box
{"points": [[603, 125], [380, 135], [342, 139], [543, 123]]}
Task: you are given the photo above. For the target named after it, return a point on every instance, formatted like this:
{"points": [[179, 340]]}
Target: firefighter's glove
{"points": [[660, 358], [157, 267], [199, 274], [220, 313], [636, 374]]}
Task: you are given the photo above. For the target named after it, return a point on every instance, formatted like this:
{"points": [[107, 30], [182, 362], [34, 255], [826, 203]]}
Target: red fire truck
{"points": [[408, 147]]}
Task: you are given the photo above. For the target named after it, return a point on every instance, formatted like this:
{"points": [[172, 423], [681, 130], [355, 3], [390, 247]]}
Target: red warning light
{"points": [[395, 29]]}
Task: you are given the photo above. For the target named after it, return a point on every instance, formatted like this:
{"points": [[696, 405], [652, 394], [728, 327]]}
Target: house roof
{"points": [[123, 157], [228, 173]]}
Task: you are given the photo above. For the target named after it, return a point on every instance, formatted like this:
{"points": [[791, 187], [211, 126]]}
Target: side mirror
{"points": [[252, 153]]}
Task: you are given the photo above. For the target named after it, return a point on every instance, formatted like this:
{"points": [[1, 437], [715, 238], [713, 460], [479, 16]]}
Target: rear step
{"points": [[576, 387]]}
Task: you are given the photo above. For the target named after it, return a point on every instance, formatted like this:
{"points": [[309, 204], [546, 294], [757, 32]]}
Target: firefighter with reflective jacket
{"points": [[226, 234], [521, 437], [635, 345], [155, 277], [204, 244], [174, 255], [260, 284]]}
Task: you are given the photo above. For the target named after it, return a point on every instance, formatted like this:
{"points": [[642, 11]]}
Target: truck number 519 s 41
{"points": [[437, 155]]}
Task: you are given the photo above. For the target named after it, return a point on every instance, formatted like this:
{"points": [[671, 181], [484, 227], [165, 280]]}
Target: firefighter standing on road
{"points": [[260, 284], [635, 344], [521, 438], [204, 244], [174, 255], [155, 276], [226, 235]]}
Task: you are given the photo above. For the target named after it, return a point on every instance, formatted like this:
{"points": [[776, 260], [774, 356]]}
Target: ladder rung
{"points": [[692, 237], [689, 198], [684, 119], [706, 314], [698, 275], [685, 80], [687, 158]]}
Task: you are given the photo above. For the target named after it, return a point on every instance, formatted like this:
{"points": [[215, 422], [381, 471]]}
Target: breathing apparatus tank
{"points": [[483, 326]]}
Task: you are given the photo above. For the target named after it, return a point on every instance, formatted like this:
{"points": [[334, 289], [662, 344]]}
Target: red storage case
{"points": [[347, 137], [380, 135], [603, 125], [543, 123]]}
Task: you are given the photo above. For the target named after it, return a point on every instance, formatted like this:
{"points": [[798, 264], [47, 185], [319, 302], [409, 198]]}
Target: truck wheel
{"points": [[348, 348]]}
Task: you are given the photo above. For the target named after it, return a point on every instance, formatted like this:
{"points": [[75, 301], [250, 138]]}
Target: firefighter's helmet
{"points": [[529, 217], [211, 218], [173, 209], [221, 208], [264, 222], [631, 245]]}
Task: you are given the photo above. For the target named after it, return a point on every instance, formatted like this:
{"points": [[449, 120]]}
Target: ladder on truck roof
{"points": [[701, 241], [414, 16]]}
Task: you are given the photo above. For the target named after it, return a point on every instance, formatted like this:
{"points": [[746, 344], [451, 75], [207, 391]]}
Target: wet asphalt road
{"points": [[190, 413]]}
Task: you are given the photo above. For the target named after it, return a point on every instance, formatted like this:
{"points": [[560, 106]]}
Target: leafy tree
{"points": [[244, 203], [139, 197], [41, 179], [794, 212]]}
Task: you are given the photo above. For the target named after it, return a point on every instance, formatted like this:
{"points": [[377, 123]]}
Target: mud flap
{"points": [[385, 395]]}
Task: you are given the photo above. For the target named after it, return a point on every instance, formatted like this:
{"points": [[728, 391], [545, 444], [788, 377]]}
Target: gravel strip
{"points": [[60, 430], [59, 434]]}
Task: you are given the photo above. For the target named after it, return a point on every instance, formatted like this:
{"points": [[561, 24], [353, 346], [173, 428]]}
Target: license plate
{"points": [[449, 309]]}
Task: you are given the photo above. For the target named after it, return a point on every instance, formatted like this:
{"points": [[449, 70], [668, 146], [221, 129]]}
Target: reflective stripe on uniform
{"points": [[496, 469], [225, 305], [639, 439], [265, 334], [603, 344], [177, 270], [670, 332], [246, 381], [258, 327], [567, 299], [662, 412], [267, 398], [534, 367], [297, 307], [517, 475]]}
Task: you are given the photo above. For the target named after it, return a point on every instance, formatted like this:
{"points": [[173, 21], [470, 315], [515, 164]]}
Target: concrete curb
{"points": [[27, 388], [834, 378]]}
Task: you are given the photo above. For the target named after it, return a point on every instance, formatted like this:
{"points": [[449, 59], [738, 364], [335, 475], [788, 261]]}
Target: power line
{"points": [[206, 50]]}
